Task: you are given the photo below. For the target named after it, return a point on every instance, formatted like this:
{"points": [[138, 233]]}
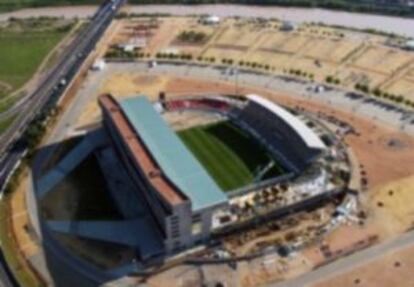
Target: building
{"points": [[181, 195], [296, 145], [409, 45], [287, 26], [210, 20], [184, 202], [134, 44], [99, 65]]}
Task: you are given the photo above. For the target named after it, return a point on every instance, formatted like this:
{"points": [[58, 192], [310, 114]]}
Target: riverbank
{"points": [[402, 26]]}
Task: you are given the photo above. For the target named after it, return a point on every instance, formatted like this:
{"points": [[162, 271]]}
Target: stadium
{"points": [[195, 181]]}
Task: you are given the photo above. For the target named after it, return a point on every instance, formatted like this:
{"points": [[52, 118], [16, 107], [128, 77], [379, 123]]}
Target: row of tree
{"points": [[31, 138], [192, 37], [330, 79], [378, 93]]}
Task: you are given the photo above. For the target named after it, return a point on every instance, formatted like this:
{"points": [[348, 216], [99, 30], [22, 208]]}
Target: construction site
{"points": [[189, 56]]}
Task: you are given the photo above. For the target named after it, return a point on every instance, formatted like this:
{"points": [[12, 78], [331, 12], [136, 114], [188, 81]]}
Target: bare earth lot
{"points": [[352, 57]]}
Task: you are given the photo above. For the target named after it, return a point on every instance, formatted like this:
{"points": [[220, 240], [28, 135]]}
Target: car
{"points": [[62, 82], [152, 64]]}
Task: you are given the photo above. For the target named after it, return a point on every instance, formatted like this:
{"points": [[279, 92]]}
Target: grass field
{"points": [[24, 44], [22, 53], [231, 156]]}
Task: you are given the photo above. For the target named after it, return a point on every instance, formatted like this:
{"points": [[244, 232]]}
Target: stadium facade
{"points": [[182, 197]]}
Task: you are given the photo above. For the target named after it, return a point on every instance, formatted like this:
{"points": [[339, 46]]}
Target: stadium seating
{"points": [[199, 104], [279, 137], [273, 131]]}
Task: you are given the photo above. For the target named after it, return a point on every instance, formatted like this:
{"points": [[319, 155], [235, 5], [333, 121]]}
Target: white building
{"points": [[210, 20], [409, 45], [133, 44], [287, 26], [98, 65]]}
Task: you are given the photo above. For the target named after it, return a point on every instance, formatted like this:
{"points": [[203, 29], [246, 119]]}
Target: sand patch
{"points": [[395, 202]]}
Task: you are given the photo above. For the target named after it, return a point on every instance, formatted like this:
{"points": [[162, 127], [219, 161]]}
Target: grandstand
{"points": [[217, 105], [293, 143], [286, 136], [181, 196]]}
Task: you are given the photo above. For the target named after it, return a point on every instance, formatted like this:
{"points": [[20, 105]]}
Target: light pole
{"points": [[236, 81]]}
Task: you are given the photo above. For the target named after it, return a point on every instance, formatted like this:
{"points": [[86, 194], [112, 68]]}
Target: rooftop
{"points": [[308, 136], [175, 160], [141, 156]]}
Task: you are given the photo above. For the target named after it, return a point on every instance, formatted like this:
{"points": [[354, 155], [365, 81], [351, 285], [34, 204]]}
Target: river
{"points": [[402, 26]]}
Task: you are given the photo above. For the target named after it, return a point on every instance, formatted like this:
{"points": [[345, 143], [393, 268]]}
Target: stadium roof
{"points": [[176, 161], [309, 137]]}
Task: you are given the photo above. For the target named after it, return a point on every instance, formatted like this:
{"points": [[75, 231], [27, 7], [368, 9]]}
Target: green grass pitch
{"points": [[230, 155]]}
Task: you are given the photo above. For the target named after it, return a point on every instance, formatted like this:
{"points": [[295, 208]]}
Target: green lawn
{"points": [[231, 156], [24, 44], [21, 54]]}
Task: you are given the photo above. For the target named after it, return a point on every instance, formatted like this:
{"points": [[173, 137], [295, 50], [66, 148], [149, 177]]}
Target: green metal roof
{"points": [[177, 162]]}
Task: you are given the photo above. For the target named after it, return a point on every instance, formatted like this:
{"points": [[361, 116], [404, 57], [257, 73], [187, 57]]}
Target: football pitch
{"points": [[230, 155]]}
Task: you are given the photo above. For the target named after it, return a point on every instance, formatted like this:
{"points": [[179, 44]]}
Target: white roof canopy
{"points": [[311, 139]]}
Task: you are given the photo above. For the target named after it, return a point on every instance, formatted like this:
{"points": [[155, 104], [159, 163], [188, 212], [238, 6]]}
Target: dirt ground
{"points": [[20, 220], [322, 51], [24, 245], [123, 85], [248, 273], [393, 205], [394, 269]]}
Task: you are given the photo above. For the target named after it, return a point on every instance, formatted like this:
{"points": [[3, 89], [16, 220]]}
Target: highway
{"points": [[52, 87], [12, 147]]}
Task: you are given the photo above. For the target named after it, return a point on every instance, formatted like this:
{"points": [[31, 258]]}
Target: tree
{"points": [[377, 92], [329, 79]]}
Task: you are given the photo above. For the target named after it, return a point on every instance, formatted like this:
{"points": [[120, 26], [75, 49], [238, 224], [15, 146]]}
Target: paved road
{"points": [[352, 261]]}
